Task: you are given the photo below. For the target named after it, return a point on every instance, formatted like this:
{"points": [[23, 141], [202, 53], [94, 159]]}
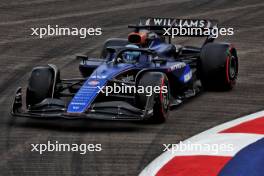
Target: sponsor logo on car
{"points": [[175, 22], [93, 83], [177, 66], [187, 76], [98, 76], [128, 78]]}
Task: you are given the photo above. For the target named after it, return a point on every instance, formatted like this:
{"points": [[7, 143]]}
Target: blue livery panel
{"points": [[90, 89]]}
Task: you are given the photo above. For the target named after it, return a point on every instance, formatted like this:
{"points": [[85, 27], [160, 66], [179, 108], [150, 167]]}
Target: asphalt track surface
{"points": [[127, 147]]}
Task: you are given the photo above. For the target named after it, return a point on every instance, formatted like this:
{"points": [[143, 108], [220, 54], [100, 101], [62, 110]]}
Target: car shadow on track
{"points": [[78, 125]]}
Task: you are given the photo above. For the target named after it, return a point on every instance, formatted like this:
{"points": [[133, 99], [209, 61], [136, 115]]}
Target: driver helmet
{"points": [[131, 56]]}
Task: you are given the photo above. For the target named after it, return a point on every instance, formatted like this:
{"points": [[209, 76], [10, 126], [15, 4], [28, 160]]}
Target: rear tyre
{"points": [[159, 99], [112, 42], [219, 66], [40, 84]]}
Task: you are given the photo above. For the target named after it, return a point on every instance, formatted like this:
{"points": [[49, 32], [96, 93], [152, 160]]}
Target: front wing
{"points": [[54, 108]]}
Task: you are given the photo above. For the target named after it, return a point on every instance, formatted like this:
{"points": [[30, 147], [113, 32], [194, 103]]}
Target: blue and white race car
{"points": [[138, 78]]}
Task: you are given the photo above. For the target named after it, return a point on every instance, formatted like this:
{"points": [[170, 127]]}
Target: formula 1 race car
{"points": [[139, 78]]}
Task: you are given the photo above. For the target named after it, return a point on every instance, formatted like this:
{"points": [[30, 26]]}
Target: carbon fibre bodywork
{"points": [[86, 101], [187, 69]]}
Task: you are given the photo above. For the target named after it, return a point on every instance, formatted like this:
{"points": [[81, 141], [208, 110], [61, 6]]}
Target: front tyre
{"points": [[160, 98], [41, 84]]}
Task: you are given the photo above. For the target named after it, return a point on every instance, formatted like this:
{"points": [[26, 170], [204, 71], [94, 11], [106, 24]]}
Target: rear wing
{"points": [[172, 22], [158, 25]]}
